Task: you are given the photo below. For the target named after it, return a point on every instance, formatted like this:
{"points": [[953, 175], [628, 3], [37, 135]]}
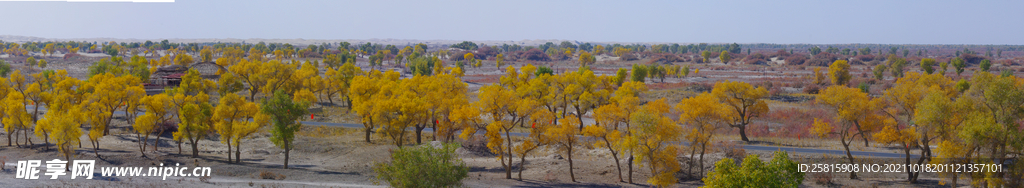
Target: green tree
{"points": [[943, 66], [958, 65], [724, 57], [4, 68], [283, 113], [32, 61], [879, 71], [896, 65], [620, 76], [705, 55], [927, 65], [423, 166], [544, 70], [985, 65], [639, 73], [685, 72], [779, 172]]}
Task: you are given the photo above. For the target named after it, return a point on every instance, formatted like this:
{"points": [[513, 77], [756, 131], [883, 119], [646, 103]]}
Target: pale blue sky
{"points": [[860, 21]]}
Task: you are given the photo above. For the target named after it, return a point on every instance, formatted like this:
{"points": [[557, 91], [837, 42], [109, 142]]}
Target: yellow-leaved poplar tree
{"points": [[744, 100], [703, 115], [652, 136]]}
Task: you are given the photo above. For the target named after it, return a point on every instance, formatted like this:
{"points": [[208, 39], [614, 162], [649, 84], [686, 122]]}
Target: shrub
{"points": [[796, 59], [822, 59], [868, 57], [665, 58], [457, 55], [734, 151], [533, 55], [465, 45], [811, 89], [544, 70], [823, 178], [781, 54], [972, 59], [485, 52], [985, 65], [423, 166], [779, 172], [267, 175], [4, 68], [628, 57]]}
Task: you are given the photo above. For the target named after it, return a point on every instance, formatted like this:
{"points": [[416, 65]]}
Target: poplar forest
{"points": [[550, 114]]}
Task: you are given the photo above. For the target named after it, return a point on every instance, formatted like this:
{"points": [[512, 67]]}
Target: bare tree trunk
{"points": [[96, 148], [419, 134], [156, 142], [629, 167], [522, 160], [195, 147], [368, 135], [849, 156], [571, 174], [46, 140], [142, 142], [743, 133], [229, 150], [27, 139], [508, 169], [238, 151], [287, 150]]}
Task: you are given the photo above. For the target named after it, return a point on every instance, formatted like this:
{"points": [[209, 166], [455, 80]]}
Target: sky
{"points": [[727, 21]]}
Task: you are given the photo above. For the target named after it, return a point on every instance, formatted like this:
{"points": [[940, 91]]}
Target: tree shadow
{"points": [[484, 169], [539, 184]]}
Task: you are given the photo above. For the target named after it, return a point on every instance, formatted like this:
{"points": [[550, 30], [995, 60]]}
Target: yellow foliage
{"points": [[704, 115], [15, 118], [651, 138], [890, 133], [838, 72], [745, 101], [564, 138], [820, 128], [65, 130], [304, 95], [235, 119], [818, 77]]}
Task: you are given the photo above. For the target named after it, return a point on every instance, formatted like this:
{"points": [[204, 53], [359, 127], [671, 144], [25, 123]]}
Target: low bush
{"points": [[811, 89], [267, 175], [734, 151], [796, 59], [423, 166], [628, 57], [823, 178], [779, 172]]}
